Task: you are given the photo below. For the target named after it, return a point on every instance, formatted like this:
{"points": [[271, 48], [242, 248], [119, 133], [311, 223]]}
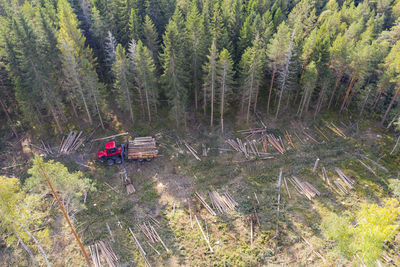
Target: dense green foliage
{"points": [[364, 233], [315, 55]]}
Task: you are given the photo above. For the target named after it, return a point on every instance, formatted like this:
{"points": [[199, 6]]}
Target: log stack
{"points": [[222, 203], [142, 148], [304, 188], [105, 250], [71, 143]]}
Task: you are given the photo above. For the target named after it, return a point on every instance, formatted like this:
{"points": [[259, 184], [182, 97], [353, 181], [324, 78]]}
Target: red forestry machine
{"points": [[140, 149]]}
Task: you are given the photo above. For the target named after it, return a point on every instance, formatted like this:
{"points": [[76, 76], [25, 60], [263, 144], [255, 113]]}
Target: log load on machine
{"points": [[140, 149]]}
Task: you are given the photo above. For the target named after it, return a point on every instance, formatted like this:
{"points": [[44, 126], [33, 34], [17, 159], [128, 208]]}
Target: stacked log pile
{"points": [[105, 250], [335, 129], [304, 188], [71, 143], [277, 143], [345, 183], [142, 147], [222, 203], [239, 146]]}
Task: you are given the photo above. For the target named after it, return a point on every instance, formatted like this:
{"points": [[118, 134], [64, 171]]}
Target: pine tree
{"points": [[80, 78], [210, 70], [145, 69], [225, 81], [123, 83], [173, 62]]}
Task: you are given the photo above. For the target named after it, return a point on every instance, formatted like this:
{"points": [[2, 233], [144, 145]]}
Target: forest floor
{"points": [[165, 191]]}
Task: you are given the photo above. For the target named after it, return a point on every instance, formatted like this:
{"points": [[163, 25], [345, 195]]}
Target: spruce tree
{"points": [[196, 50], [123, 83], [150, 37], [225, 82], [78, 65], [145, 71], [276, 52], [210, 80], [251, 75], [173, 62]]}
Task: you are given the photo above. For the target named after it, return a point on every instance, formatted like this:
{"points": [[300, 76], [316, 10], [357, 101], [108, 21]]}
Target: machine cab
{"points": [[111, 153], [112, 149]]}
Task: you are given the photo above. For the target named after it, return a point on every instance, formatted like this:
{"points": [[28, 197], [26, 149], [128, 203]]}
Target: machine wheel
{"points": [[149, 159], [140, 160], [110, 162], [118, 160], [102, 159]]}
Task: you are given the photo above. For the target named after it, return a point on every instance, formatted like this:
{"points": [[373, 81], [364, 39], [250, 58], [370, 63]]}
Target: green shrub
{"points": [[363, 233]]}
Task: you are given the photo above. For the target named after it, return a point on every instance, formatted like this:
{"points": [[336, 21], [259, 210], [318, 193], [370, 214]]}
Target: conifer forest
{"points": [[199, 133]]}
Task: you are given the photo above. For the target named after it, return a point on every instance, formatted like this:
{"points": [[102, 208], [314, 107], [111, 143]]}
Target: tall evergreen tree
{"points": [[80, 77], [251, 74], [276, 52], [210, 70], [196, 42], [225, 82], [145, 70], [123, 83], [150, 37], [173, 61]]}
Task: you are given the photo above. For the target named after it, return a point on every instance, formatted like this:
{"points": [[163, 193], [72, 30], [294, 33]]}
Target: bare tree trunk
{"points": [[319, 102], [378, 98], [148, 104], [223, 100], [338, 78], [73, 106], [53, 113], [141, 101], [204, 100], [212, 91], [347, 93], [250, 93], [98, 111], [365, 101], [270, 88], [28, 251], [8, 118], [390, 106]]}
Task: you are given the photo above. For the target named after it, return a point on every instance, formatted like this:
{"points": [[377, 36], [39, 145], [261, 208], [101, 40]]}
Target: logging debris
{"points": [[141, 250], [206, 237], [202, 201], [71, 143], [105, 250], [110, 137], [348, 182], [276, 143], [304, 188], [222, 203], [151, 234], [192, 150]]}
